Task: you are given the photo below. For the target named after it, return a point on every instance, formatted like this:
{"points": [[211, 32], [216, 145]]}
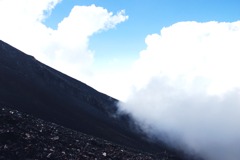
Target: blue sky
{"points": [[145, 17]]}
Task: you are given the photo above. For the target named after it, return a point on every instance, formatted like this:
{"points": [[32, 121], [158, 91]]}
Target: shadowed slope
{"points": [[32, 87]]}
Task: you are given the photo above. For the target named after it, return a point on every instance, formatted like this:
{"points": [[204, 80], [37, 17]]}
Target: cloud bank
{"points": [[187, 92], [65, 48]]}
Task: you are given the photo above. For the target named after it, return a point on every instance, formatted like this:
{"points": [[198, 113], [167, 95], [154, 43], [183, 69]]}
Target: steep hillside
{"points": [[34, 88]]}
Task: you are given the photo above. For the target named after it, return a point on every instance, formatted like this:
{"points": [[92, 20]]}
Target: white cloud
{"points": [[191, 49], [65, 48], [21, 23], [187, 84]]}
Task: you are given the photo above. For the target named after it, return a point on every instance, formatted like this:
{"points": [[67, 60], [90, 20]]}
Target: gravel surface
{"points": [[25, 137]]}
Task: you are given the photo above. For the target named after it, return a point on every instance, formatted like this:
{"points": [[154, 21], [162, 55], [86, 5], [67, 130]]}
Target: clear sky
{"points": [[175, 63]]}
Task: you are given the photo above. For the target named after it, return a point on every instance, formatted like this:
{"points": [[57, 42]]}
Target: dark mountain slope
{"points": [[34, 88], [25, 137]]}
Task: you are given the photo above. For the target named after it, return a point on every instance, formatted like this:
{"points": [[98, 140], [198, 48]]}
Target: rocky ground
{"points": [[25, 137]]}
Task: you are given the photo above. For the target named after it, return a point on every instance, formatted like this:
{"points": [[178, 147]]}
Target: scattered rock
{"points": [[49, 155], [55, 138], [32, 138], [27, 135], [5, 147], [104, 154]]}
